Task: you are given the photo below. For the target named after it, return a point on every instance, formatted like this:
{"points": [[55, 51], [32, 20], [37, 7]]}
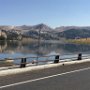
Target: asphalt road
{"points": [[72, 77]]}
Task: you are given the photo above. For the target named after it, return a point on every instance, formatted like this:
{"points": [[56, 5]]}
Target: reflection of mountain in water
{"points": [[41, 49]]}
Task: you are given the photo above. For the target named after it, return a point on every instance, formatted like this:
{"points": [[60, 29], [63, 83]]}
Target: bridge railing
{"points": [[22, 62]]}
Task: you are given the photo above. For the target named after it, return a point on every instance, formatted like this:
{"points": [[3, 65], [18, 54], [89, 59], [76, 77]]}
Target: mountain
{"points": [[44, 32], [42, 27], [6, 27], [64, 28], [75, 33], [23, 27]]}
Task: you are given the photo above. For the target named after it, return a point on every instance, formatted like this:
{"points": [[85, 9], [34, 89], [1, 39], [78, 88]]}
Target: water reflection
{"points": [[18, 48]]}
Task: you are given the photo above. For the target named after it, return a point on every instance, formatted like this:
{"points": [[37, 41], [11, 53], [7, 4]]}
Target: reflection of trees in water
{"points": [[3, 46], [76, 47], [43, 48]]}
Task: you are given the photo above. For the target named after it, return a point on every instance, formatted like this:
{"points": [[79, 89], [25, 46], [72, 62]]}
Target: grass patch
{"points": [[80, 41], [5, 63]]}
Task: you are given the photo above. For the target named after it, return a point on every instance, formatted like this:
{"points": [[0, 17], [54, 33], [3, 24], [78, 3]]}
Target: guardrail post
{"points": [[23, 63], [79, 56], [56, 59]]}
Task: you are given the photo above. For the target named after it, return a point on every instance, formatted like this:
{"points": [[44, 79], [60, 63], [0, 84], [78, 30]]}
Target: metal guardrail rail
{"points": [[23, 61]]}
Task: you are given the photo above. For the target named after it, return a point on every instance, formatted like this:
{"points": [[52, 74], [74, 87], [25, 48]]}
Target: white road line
{"points": [[28, 81]]}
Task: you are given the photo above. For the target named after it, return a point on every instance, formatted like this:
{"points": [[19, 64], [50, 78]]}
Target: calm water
{"points": [[18, 49]]}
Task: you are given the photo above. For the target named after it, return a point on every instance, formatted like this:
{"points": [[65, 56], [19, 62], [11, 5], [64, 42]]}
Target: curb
{"points": [[21, 70]]}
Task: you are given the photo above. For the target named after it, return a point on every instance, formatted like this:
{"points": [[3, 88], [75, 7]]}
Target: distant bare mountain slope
{"points": [[46, 32], [64, 28]]}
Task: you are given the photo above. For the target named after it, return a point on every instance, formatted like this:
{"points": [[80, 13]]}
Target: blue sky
{"points": [[51, 12]]}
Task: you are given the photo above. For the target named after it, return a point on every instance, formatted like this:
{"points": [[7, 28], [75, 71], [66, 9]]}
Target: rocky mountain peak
{"points": [[42, 26]]}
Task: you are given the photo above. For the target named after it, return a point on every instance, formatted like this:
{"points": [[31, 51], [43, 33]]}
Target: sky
{"points": [[54, 13]]}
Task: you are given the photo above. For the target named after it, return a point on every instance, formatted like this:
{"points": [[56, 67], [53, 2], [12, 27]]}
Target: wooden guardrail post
{"points": [[79, 56], [23, 63], [56, 59]]}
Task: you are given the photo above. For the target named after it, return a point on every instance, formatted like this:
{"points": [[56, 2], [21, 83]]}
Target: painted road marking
{"points": [[28, 81]]}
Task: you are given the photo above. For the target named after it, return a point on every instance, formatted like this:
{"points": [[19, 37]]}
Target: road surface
{"points": [[69, 77]]}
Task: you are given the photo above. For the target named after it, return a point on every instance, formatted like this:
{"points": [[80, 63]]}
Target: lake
{"points": [[12, 49]]}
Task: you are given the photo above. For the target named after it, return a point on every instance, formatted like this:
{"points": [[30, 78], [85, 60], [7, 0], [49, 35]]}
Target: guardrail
{"points": [[23, 61]]}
